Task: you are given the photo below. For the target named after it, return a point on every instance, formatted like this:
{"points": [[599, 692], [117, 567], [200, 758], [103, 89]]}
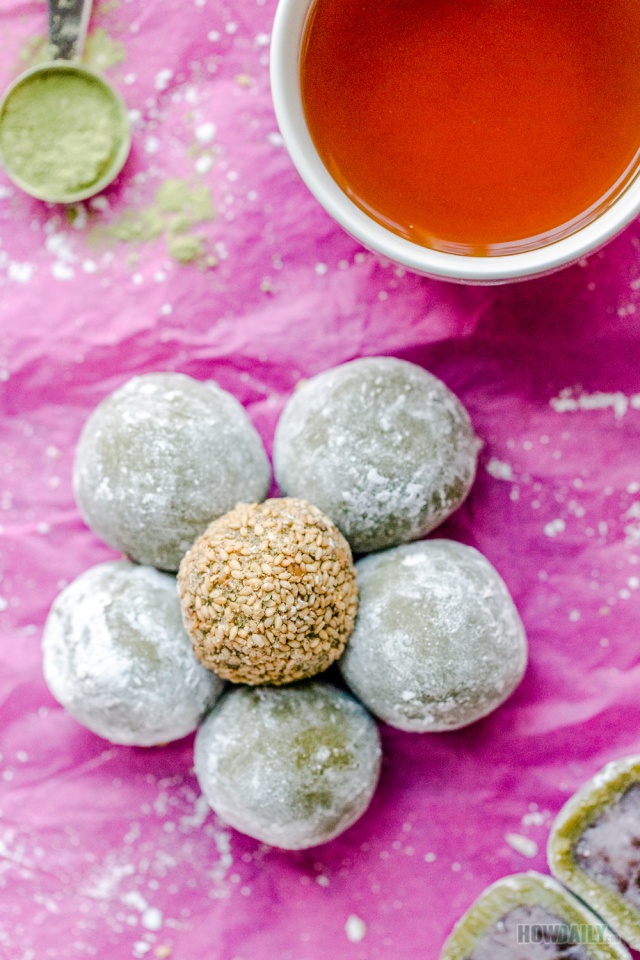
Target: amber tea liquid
{"points": [[476, 126]]}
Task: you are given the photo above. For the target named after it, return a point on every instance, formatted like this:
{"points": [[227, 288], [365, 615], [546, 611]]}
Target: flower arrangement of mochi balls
{"points": [[369, 456]]}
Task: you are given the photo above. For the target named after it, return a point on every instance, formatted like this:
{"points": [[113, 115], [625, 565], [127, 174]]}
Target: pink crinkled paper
{"points": [[110, 852]]}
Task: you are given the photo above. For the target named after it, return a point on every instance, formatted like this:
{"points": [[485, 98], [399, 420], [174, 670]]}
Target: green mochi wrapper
{"points": [[578, 814], [527, 889]]}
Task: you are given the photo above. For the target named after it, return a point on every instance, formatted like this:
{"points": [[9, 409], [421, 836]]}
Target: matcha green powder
{"points": [[60, 133]]}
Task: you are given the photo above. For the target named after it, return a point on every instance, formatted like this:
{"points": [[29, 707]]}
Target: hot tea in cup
{"points": [[475, 140], [475, 126]]}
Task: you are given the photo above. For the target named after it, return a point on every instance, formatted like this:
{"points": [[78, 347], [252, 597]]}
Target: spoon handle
{"points": [[68, 21]]}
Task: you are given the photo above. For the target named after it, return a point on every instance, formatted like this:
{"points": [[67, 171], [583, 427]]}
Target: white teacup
{"points": [[286, 44]]}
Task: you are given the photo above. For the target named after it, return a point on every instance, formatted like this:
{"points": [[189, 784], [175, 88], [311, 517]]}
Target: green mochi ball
{"points": [[117, 657], [161, 458], [437, 642], [381, 446], [291, 766]]}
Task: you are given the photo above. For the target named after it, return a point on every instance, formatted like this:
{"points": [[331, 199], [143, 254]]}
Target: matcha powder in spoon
{"points": [[62, 132]]}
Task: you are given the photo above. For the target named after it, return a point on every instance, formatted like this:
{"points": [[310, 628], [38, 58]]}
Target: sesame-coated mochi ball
{"points": [[293, 767], [161, 458], [381, 446], [438, 642], [269, 593], [117, 658]]}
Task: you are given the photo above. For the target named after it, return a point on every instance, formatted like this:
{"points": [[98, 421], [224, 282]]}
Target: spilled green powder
{"points": [[107, 6], [34, 52], [176, 209], [101, 52], [187, 248], [60, 132]]}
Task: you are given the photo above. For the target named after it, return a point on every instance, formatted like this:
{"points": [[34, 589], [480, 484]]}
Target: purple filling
{"points": [[609, 851], [529, 933]]}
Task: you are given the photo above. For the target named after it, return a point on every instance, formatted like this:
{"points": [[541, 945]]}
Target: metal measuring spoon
{"points": [[64, 131], [68, 22]]}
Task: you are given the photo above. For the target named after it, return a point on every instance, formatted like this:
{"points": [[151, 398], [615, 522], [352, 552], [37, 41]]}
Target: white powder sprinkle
{"points": [[536, 819], [499, 470], [633, 513], [135, 900], [555, 527], [571, 399], [163, 79], [205, 132], [522, 845], [62, 271], [20, 272], [152, 918], [355, 928]]}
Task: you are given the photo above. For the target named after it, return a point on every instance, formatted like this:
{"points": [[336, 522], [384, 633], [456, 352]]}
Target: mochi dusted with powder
{"points": [[161, 458], [381, 446], [291, 766], [437, 642], [117, 658]]}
